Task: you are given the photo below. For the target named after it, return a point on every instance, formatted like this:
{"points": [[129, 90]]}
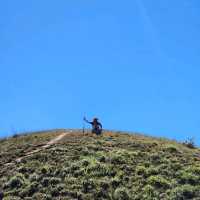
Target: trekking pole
{"points": [[84, 125]]}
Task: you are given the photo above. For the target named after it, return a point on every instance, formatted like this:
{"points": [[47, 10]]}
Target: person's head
{"points": [[95, 119]]}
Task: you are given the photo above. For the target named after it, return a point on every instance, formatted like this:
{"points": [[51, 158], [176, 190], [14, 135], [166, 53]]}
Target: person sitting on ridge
{"points": [[96, 126]]}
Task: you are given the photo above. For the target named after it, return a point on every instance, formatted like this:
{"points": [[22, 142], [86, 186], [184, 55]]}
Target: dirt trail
{"points": [[45, 146]]}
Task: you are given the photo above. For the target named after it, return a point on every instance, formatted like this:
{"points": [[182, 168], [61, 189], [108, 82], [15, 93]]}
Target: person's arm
{"points": [[87, 121]]}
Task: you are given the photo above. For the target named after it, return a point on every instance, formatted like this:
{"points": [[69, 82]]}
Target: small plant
{"points": [[32, 188], [185, 192], [141, 170], [34, 177], [55, 192], [190, 143], [158, 182], [45, 169], [155, 158], [104, 185], [121, 194], [45, 181], [29, 190], [74, 167], [101, 170], [85, 162], [148, 192], [172, 149], [88, 185], [55, 181], [115, 182], [152, 171], [117, 159], [195, 169], [188, 178], [16, 181]]}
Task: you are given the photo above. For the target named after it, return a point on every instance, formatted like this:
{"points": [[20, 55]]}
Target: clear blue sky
{"points": [[134, 64]]}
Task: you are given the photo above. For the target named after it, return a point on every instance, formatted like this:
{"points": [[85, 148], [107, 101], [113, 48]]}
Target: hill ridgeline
{"points": [[69, 164]]}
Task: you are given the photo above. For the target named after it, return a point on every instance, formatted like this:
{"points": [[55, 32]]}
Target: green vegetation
{"points": [[17, 146], [114, 166]]}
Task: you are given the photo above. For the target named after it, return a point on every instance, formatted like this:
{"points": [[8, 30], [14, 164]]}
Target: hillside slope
{"points": [[114, 166]]}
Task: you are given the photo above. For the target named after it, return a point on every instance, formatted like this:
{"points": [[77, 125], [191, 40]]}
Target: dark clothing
{"points": [[96, 127], [97, 131]]}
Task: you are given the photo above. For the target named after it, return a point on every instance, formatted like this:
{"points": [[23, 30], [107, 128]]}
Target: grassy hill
{"points": [[115, 166]]}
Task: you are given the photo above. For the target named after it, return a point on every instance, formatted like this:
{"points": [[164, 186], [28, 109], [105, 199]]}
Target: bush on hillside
{"points": [[190, 143], [121, 194], [16, 181]]}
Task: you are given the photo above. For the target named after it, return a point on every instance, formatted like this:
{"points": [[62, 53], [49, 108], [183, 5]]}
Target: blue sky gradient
{"points": [[134, 64]]}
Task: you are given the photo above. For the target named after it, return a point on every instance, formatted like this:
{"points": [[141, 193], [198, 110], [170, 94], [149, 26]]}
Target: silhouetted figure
{"points": [[96, 126]]}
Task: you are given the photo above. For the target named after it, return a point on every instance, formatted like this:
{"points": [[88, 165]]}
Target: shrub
{"points": [[158, 182], [188, 178], [32, 188], [60, 187], [74, 167], [121, 194], [101, 194], [104, 185], [55, 181], [38, 196], [141, 170], [16, 181], [88, 185], [29, 190], [34, 177], [117, 159], [86, 152], [152, 171], [190, 143], [23, 170], [85, 162], [101, 170], [155, 158], [115, 182], [102, 158], [55, 192], [45, 181], [194, 169], [148, 191], [171, 149], [185, 192], [45, 169]]}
